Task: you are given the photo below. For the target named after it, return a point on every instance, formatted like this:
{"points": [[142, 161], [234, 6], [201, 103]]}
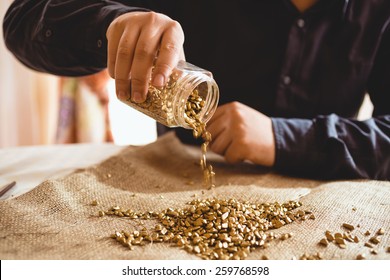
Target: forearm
{"points": [[330, 147], [61, 37]]}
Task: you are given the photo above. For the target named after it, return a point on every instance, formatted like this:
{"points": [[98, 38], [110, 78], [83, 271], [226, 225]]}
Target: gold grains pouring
{"points": [[159, 103], [195, 104], [189, 99], [212, 228]]}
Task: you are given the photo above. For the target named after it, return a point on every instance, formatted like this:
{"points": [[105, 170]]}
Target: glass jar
{"points": [[190, 93]]}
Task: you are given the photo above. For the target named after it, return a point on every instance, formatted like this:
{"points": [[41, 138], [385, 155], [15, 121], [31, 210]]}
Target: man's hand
{"points": [[242, 133], [134, 41]]}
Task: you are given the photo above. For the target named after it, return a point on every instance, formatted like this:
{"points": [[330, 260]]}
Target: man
{"points": [[292, 73]]}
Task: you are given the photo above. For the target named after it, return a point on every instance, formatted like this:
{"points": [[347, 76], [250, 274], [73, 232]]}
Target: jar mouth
{"points": [[209, 94], [208, 91]]}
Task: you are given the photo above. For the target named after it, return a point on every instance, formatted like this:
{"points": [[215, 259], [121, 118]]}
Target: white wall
{"points": [[27, 100]]}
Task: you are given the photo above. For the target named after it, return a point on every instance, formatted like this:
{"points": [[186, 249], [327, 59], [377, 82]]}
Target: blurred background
{"points": [[42, 109]]}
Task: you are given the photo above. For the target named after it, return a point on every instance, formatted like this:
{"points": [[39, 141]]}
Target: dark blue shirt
{"points": [[309, 71]]}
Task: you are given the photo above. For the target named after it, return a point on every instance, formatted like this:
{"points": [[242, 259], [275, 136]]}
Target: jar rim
{"points": [[183, 94]]}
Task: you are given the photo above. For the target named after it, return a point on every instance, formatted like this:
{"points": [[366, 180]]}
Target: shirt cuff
{"points": [[296, 147]]}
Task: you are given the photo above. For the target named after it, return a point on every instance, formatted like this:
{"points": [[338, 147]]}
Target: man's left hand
{"points": [[242, 133]]}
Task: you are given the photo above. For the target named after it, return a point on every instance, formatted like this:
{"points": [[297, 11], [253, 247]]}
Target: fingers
{"points": [[220, 143], [216, 128], [226, 135], [169, 54], [232, 154], [122, 64], [218, 123], [112, 45], [217, 115], [226, 145], [141, 68], [134, 39]]}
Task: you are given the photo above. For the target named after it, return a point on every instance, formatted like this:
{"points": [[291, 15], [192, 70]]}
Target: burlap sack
{"points": [[56, 220]]}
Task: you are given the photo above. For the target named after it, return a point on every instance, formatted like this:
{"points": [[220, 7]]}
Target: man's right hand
{"points": [[134, 41]]}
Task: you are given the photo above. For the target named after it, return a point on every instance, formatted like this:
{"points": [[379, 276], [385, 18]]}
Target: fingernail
{"points": [[158, 80], [122, 95], [137, 97]]}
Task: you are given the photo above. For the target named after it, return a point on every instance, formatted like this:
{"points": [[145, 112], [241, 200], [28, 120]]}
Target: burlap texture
{"points": [[56, 220]]}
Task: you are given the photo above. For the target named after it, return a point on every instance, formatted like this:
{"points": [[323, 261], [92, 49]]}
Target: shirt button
{"points": [[48, 33], [286, 80], [301, 23], [99, 43]]}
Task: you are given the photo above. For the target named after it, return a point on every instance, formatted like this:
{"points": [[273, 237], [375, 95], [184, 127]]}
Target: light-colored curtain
{"points": [[28, 100], [83, 110], [38, 109]]}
